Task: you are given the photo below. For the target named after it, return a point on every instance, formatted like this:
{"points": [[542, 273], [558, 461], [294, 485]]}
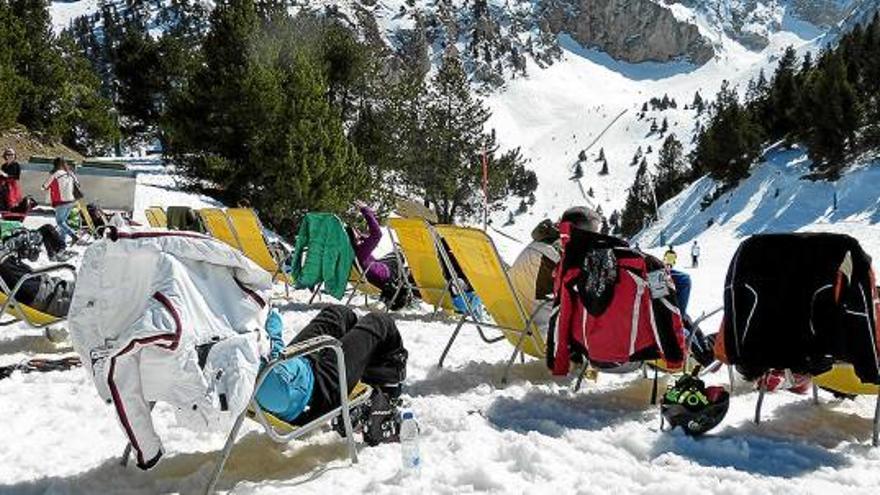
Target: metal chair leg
{"points": [[580, 378], [815, 394], [762, 389], [516, 350], [224, 455], [876, 439], [451, 340]]}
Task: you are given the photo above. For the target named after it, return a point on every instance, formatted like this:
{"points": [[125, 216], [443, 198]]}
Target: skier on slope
{"points": [[670, 257], [695, 255]]}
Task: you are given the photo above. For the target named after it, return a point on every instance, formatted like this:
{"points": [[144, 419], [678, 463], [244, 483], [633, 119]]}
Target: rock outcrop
{"points": [[629, 30]]}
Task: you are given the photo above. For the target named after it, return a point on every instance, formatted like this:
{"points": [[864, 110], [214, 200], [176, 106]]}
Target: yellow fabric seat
{"points": [[29, 314], [249, 232], [419, 246], [842, 378], [481, 264], [359, 393], [219, 227], [156, 217]]}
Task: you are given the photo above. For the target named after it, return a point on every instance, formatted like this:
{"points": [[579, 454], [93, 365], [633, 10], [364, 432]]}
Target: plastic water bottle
{"points": [[409, 445]]}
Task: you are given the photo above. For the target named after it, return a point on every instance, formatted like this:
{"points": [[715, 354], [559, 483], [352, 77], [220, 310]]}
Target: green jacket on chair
{"points": [[323, 253]]}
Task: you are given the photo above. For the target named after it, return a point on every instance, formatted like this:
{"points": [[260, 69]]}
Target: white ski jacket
{"points": [[173, 317]]}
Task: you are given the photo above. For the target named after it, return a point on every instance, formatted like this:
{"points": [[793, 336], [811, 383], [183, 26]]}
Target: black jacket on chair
{"points": [[800, 302]]}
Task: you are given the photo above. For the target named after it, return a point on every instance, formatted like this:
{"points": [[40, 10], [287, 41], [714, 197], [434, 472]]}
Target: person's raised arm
{"points": [[372, 240]]}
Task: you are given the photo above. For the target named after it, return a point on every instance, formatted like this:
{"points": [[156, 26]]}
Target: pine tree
{"points": [[654, 127], [10, 100], [255, 122], [670, 169], [638, 203], [637, 157], [664, 126], [783, 96], [604, 170], [834, 114], [578, 171], [601, 157], [591, 193], [730, 142], [698, 103], [445, 150]]}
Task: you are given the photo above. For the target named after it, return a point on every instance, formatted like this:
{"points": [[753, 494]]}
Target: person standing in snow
{"points": [[10, 175], [670, 257], [60, 186], [695, 255]]}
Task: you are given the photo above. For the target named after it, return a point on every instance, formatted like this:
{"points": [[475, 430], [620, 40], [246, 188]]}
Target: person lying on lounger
{"points": [[305, 388]]}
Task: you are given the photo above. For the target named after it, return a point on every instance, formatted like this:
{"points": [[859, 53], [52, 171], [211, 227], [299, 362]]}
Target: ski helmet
{"points": [[693, 406]]}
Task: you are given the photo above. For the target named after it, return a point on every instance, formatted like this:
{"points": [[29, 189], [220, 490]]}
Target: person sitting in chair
{"points": [[305, 388], [532, 272], [385, 272]]}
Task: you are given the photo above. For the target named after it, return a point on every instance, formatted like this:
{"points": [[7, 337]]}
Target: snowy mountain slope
{"points": [[775, 198], [558, 111]]}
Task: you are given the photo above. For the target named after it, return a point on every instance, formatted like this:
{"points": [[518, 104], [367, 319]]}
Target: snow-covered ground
{"points": [[534, 436]]}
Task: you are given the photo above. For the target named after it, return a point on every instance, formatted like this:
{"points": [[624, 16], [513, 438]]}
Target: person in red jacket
{"points": [[60, 187], [10, 174]]}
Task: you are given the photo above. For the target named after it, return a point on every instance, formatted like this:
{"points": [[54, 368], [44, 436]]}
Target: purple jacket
{"points": [[378, 273]]}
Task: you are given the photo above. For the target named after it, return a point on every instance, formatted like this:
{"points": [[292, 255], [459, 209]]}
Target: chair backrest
{"points": [[218, 225], [156, 217], [479, 260], [250, 234], [419, 246]]}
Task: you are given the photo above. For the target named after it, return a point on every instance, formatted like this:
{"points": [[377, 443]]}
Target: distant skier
{"points": [[670, 257], [695, 255]]}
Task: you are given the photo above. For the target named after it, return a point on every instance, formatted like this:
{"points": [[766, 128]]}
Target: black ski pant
{"points": [[372, 348]]}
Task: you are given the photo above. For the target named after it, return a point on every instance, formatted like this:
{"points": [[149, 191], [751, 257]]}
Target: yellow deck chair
{"points": [[843, 379], [87, 220], [156, 217], [218, 225], [279, 430], [419, 246], [840, 379], [19, 312], [481, 264], [249, 232]]}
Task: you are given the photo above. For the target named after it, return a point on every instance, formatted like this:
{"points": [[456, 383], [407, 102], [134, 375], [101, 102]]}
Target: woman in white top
{"points": [[60, 187]]}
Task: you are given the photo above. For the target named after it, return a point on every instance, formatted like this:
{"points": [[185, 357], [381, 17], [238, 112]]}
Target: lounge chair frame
{"points": [[265, 419], [527, 330], [402, 254], [762, 391], [15, 311], [695, 325]]}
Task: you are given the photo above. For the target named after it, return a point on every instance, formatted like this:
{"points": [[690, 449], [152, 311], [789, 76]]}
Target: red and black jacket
{"points": [[627, 322]]}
